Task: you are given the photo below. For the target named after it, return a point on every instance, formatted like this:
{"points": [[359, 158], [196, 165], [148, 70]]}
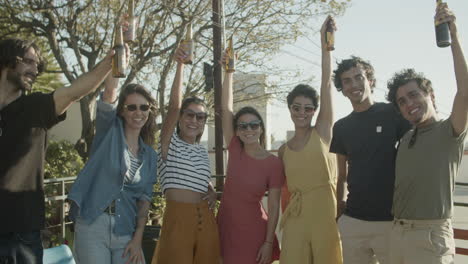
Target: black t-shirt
{"points": [[369, 140], [24, 123]]}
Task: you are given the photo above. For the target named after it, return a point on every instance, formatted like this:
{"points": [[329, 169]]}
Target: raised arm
{"points": [[83, 85], [175, 103], [325, 116], [459, 116], [227, 114], [110, 94]]}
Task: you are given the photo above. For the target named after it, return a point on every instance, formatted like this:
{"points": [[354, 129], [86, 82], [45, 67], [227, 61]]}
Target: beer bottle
{"points": [[330, 36], [129, 35], [231, 60], [187, 45], [442, 32], [119, 61]]}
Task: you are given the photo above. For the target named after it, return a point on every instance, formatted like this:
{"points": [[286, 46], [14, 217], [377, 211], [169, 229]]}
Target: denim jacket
{"points": [[102, 179]]}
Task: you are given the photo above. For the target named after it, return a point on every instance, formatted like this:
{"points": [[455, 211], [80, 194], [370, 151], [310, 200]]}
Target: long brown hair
{"points": [[148, 131]]}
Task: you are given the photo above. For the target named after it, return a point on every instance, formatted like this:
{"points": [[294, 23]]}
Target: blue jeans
{"points": [[96, 243], [21, 248]]}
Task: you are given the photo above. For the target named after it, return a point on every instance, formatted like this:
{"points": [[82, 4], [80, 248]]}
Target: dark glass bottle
{"points": [[330, 36], [119, 61], [442, 32]]}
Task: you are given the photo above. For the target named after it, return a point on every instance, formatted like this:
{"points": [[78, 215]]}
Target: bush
{"points": [[62, 160]]}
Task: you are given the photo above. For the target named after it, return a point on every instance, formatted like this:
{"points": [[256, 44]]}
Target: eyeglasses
{"points": [[134, 107], [200, 116], [307, 108], [254, 125]]}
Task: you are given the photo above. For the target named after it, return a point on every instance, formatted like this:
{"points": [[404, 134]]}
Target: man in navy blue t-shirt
{"points": [[365, 143]]}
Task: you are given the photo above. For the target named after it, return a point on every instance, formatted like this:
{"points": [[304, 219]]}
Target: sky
{"points": [[392, 35]]}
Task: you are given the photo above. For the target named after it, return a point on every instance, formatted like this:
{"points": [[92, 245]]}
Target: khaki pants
{"points": [[422, 242], [364, 242], [189, 235]]}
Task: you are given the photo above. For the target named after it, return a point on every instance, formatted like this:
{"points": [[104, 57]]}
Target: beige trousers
{"points": [[364, 242], [422, 242]]}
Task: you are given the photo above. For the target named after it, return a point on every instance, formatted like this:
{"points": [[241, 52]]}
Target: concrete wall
{"points": [[70, 128]]}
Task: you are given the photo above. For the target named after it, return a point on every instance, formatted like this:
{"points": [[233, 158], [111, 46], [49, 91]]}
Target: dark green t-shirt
{"points": [[425, 172]]}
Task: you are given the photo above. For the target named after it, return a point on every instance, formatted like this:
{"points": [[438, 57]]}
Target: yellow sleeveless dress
{"points": [[310, 232]]}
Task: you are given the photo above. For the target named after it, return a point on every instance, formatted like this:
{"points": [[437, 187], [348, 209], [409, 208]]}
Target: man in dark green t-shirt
{"points": [[427, 161]]}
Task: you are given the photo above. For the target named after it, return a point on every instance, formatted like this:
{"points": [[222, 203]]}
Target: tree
{"points": [[78, 33]]}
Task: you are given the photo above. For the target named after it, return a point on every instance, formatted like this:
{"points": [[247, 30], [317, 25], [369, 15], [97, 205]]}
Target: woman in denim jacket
{"points": [[112, 194]]}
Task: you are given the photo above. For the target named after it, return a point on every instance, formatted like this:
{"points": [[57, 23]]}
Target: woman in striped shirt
{"points": [[189, 233]]}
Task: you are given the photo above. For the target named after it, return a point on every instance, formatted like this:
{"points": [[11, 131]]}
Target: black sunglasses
{"points": [[254, 125], [201, 116], [133, 107]]}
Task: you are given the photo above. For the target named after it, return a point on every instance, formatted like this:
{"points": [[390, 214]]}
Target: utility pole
{"points": [[218, 85]]}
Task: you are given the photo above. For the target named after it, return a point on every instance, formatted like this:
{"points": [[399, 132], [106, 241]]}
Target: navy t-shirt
{"points": [[369, 141]]}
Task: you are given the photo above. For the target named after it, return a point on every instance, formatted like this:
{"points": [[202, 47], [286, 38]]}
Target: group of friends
{"points": [[396, 160]]}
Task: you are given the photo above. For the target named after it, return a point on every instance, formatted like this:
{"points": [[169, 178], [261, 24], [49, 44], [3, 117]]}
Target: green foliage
{"points": [[62, 160]]}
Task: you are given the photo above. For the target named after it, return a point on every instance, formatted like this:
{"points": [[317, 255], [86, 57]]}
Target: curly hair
{"points": [[347, 64], [148, 131], [13, 48], [303, 90], [250, 110], [403, 77]]}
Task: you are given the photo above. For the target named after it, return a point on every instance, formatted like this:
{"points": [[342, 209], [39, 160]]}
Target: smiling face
{"points": [[356, 86], [249, 129], [25, 73], [133, 111], [302, 110], [415, 105], [192, 122]]}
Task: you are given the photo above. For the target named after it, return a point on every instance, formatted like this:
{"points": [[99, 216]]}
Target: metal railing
{"points": [[69, 180], [62, 196]]}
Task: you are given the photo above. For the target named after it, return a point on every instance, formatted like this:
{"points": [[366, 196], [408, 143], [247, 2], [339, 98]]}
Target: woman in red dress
{"points": [[247, 234]]}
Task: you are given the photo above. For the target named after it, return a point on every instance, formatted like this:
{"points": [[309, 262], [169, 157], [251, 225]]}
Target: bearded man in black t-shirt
{"points": [[24, 121]]}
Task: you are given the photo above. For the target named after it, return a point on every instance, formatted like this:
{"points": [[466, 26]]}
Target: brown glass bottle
{"points": [[330, 36], [187, 45], [119, 61], [230, 60], [442, 32], [129, 35]]}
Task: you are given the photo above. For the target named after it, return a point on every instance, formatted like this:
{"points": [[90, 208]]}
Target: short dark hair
{"points": [[13, 48], [148, 131], [304, 90], [347, 64], [403, 77], [250, 110], [185, 103]]}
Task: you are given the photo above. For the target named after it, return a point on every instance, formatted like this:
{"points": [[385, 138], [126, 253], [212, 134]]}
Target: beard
{"points": [[16, 78]]}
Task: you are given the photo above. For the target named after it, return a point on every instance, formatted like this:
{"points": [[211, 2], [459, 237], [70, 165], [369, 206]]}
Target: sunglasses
{"points": [[200, 116], [307, 108], [254, 125], [134, 107]]}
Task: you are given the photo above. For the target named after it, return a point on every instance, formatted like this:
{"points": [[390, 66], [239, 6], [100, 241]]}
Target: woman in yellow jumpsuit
{"points": [[310, 233]]}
